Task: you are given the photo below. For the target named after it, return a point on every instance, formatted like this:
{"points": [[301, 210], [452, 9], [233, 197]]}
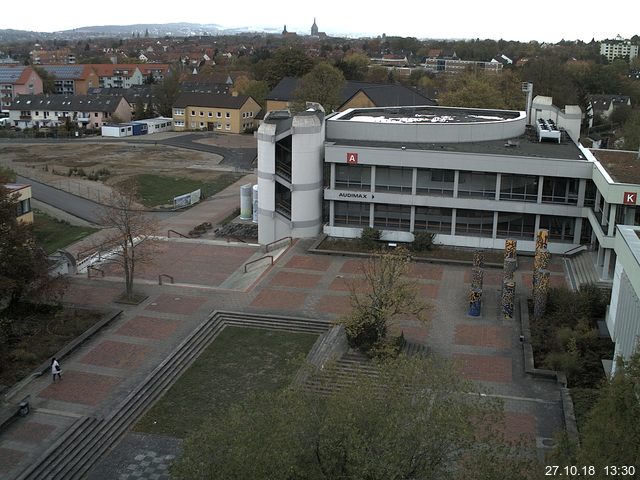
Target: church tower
{"points": [[314, 28]]}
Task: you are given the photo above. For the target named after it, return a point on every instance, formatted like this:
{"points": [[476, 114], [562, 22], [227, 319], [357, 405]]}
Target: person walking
{"points": [[55, 369]]}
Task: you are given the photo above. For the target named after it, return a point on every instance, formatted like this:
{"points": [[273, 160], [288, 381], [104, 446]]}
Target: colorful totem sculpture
{"points": [[477, 277], [478, 258], [508, 298], [475, 301], [540, 294]]}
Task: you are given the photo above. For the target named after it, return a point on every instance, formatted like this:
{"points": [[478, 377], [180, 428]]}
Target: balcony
{"points": [[25, 117]]}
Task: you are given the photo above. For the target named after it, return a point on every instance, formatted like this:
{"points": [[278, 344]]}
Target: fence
{"points": [[83, 188]]}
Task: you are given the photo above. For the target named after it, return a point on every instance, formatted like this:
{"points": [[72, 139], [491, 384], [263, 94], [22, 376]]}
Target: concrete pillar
{"points": [[582, 189], [456, 179], [332, 212], [577, 231], [605, 264], [414, 182], [494, 232], [332, 181], [453, 220], [612, 220], [373, 179], [540, 185], [371, 215], [629, 215], [412, 221], [497, 197], [536, 224]]}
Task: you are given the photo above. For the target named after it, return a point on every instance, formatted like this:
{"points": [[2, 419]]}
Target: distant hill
{"points": [[155, 30]]}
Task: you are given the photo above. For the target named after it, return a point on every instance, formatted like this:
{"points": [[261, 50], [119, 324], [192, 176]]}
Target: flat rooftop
{"points": [[621, 165], [520, 146], [426, 115]]}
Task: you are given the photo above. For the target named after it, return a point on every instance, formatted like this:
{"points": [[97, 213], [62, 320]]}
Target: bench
{"points": [[10, 411]]}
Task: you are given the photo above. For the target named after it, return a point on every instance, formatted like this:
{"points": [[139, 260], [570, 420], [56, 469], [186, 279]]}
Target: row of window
{"points": [[470, 184], [180, 112], [476, 223]]}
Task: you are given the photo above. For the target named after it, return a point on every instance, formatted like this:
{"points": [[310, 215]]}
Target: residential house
{"points": [[17, 80], [72, 79], [391, 60], [155, 71], [131, 94], [24, 214], [225, 113], [85, 111], [118, 75], [503, 59], [604, 105], [353, 95]]}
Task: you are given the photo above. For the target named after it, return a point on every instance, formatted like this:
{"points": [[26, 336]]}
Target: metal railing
{"points": [[177, 233], [574, 250], [266, 247], [257, 260], [91, 268], [164, 275]]}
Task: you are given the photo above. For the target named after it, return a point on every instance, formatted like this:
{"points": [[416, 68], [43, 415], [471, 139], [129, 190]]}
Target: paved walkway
{"points": [[103, 371]]}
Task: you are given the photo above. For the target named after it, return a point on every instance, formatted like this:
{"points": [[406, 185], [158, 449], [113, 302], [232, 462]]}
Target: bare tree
{"points": [[381, 295], [129, 232]]}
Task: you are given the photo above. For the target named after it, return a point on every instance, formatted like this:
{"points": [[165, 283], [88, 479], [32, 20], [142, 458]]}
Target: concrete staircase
{"points": [[582, 271], [78, 450]]}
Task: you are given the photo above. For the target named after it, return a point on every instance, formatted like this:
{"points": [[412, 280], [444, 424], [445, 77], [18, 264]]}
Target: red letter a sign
{"points": [[352, 158]]}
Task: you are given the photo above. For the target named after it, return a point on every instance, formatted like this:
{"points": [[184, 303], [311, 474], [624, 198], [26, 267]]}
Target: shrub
{"points": [[369, 237], [22, 355], [422, 242]]}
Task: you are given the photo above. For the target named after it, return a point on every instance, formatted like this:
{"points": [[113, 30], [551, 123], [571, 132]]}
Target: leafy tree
{"points": [[285, 62], [24, 268], [323, 84], [631, 131], [383, 294], [130, 232], [139, 112], [257, 89], [48, 80], [354, 66], [611, 432], [483, 91], [166, 93], [413, 420], [377, 74], [369, 237]]}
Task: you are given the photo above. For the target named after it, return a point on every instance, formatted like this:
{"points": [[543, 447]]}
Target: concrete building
{"points": [[618, 48], [290, 174], [623, 314], [72, 79], [473, 177]]}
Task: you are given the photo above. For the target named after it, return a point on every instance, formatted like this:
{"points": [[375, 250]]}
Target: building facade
{"points": [[212, 112], [24, 214], [72, 79], [623, 319], [471, 177], [17, 80], [618, 48], [83, 111]]}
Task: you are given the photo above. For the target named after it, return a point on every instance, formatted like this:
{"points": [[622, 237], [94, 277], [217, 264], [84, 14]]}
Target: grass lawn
{"points": [[160, 189], [53, 234], [239, 361], [39, 332]]}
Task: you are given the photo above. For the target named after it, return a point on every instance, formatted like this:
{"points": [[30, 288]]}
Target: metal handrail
{"points": [[233, 237], [91, 267], [573, 250], [164, 275], [174, 231], [257, 260], [266, 247]]}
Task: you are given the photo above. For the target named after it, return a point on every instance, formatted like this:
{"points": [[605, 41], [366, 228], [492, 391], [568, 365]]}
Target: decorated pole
{"points": [[475, 302], [540, 294], [508, 297]]}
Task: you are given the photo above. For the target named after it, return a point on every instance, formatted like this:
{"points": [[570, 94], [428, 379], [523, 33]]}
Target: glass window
{"points": [[351, 214], [519, 187], [560, 190], [435, 182], [24, 206], [516, 225], [433, 219], [561, 229], [392, 217], [357, 177], [590, 194], [477, 184], [475, 223], [394, 179]]}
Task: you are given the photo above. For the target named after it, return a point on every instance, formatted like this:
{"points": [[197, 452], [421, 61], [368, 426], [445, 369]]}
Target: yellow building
{"points": [[23, 213], [215, 112]]}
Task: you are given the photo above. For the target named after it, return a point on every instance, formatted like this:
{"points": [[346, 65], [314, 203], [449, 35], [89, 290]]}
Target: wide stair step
{"points": [[90, 438]]}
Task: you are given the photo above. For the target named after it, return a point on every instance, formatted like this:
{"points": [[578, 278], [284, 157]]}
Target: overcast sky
{"points": [[548, 20]]}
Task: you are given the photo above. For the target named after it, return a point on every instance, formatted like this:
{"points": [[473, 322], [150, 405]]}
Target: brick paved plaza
{"points": [[100, 373]]}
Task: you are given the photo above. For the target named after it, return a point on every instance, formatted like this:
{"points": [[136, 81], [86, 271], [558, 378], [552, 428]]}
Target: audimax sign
{"points": [[354, 195]]}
